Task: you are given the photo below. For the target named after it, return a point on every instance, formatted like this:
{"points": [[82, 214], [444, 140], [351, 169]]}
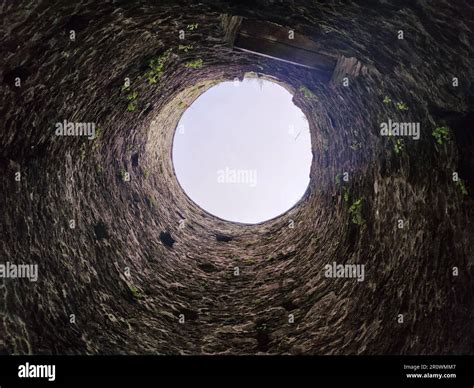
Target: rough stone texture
{"points": [[120, 225]]}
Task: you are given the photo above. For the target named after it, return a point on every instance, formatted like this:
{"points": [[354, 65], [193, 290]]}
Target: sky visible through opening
{"points": [[242, 151]]}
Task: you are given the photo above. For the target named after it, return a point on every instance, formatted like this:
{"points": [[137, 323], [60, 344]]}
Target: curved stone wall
{"points": [[144, 270]]}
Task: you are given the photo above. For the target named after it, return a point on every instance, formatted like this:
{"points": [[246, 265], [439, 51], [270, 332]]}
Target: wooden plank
{"points": [[269, 31], [283, 52]]}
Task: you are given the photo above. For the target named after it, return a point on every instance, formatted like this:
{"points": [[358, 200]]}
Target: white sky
{"points": [[243, 152]]}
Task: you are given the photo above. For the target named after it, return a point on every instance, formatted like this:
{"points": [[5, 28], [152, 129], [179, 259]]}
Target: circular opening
{"points": [[242, 151]]}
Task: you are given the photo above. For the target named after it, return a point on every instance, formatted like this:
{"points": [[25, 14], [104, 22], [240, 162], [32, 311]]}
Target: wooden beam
{"points": [[269, 31], [276, 42], [285, 53]]}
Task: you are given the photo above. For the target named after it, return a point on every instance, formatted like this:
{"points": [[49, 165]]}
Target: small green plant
{"points": [[461, 186], [355, 146], [345, 195], [98, 133], [95, 145], [398, 146], [123, 174], [130, 148], [98, 169], [338, 179], [83, 151], [262, 327], [401, 106], [134, 291], [130, 96], [441, 135], [306, 92], [156, 67], [151, 201], [185, 47], [355, 211], [132, 105], [146, 173], [195, 64], [192, 27], [387, 100]]}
